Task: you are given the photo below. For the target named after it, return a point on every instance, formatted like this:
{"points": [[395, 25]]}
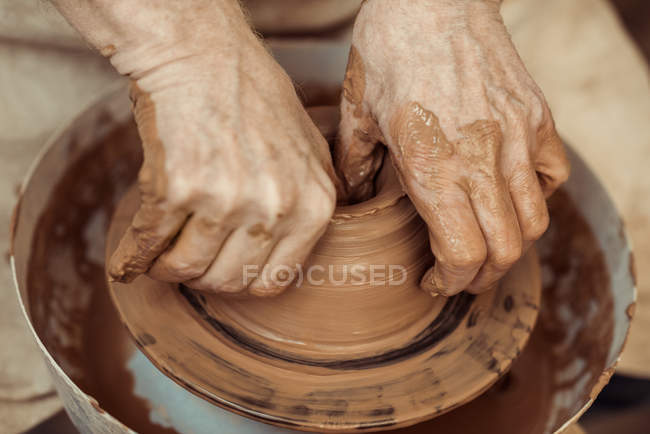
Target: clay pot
{"points": [[108, 385], [353, 323]]}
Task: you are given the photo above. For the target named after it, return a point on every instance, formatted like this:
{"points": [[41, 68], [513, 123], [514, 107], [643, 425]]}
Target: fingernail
{"points": [[428, 284]]}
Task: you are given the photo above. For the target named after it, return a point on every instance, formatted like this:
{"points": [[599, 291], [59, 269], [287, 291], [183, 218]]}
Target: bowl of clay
{"points": [[109, 384], [353, 344]]}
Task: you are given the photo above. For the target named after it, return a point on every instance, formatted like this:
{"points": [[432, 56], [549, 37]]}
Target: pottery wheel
{"points": [[337, 355]]}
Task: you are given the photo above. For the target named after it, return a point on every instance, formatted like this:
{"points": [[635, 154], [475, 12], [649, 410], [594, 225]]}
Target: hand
{"points": [[235, 172], [441, 84]]}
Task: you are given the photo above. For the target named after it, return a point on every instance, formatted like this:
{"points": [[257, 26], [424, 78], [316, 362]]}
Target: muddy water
{"points": [[72, 312]]}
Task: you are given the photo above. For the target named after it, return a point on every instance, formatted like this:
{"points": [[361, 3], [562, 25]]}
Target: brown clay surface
{"points": [[66, 300], [568, 347], [69, 303], [336, 354]]}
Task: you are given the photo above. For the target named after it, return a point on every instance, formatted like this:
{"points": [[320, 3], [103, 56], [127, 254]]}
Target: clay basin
{"points": [[337, 351], [108, 385]]}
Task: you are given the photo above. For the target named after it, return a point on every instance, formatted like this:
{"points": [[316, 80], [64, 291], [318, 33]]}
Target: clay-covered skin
{"points": [[235, 172], [441, 84], [87, 339]]}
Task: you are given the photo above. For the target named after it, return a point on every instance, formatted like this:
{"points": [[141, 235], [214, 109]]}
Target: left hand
{"points": [[470, 133]]}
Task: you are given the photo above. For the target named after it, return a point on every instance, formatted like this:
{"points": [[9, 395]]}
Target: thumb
{"points": [[149, 234], [357, 152]]}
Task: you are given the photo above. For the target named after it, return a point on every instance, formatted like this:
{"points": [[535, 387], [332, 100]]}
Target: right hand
{"points": [[441, 84], [235, 172]]}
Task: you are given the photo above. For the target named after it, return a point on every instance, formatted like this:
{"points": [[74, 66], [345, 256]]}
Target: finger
{"points": [[455, 237], [496, 215], [282, 267], [194, 250], [551, 162], [357, 152], [300, 233], [530, 204], [149, 234], [243, 252]]}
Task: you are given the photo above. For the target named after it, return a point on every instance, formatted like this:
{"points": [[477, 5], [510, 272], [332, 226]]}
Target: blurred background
{"points": [[590, 57]]}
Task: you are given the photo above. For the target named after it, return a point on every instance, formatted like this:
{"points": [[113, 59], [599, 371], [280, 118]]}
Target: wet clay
{"points": [[423, 146], [375, 332], [568, 349], [479, 222], [357, 154], [68, 299], [132, 258]]}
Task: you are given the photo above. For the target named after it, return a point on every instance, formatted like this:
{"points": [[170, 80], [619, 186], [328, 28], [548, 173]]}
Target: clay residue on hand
{"points": [[108, 50], [422, 144], [565, 363], [152, 180], [259, 231], [354, 86], [69, 301], [133, 257], [358, 154]]}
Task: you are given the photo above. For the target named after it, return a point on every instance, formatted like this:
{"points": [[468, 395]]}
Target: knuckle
{"points": [[320, 206], [520, 175], [226, 198], [503, 258], [465, 260], [546, 132], [563, 171], [279, 199], [267, 289], [180, 269], [208, 225], [536, 226], [537, 109]]}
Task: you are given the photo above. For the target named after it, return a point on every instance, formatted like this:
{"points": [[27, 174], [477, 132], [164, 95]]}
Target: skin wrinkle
{"points": [[354, 85], [461, 118], [453, 57], [132, 256], [360, 162], [235, 171], [426, 156]]}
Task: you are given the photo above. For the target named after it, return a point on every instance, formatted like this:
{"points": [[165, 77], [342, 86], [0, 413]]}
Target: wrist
{"points": [[140, 37], [191, 39], [445, 13]]}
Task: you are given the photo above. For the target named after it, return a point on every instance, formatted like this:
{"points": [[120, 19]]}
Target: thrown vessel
{"points": [[353, 344]]}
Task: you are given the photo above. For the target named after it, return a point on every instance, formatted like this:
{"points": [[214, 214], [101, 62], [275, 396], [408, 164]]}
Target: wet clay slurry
{"points": [[130, 259], [337, 354], [568, 349], [67, 293], [69, 301]]}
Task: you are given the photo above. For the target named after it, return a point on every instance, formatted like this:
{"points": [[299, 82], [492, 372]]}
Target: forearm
{"points": [[141, 35]]}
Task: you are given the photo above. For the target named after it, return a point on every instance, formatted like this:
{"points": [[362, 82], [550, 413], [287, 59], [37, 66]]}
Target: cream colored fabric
{"points": [[595, 80], [46, 76]]}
